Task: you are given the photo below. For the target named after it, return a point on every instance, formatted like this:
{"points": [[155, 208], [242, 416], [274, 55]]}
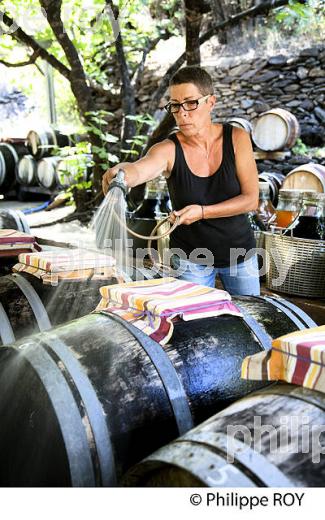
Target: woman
{"points": [[212, 181]]}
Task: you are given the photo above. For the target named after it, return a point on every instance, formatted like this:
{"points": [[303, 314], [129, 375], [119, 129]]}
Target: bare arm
{"points": [[158, 160], [247, 175]]}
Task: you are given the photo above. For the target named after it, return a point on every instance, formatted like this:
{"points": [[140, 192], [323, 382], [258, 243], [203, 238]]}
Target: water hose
{"points": [[119, 182]]}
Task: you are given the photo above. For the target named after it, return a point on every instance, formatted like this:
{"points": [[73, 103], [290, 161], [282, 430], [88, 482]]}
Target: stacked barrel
{"points": [[31, 164], [291, 206]]}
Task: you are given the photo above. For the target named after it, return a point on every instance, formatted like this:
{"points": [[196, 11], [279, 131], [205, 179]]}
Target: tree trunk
{"points": [[127, 90], [193, 22]]}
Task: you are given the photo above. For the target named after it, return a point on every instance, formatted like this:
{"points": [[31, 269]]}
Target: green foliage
{"points": [[300, 148], [97, 124], [300, 18], [138, 141]]}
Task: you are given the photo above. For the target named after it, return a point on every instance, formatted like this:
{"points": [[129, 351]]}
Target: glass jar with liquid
{"points": [[311, 220], [288, 207]]}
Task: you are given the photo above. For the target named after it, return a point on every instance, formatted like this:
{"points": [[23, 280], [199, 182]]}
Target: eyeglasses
{"points": [[188, 106]]}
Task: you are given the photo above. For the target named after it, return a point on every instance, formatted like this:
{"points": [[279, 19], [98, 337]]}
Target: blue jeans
{"points": [[241, 279]]}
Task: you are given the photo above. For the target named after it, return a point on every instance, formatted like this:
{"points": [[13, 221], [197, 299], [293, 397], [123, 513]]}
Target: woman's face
{"points": [[191, 123]]}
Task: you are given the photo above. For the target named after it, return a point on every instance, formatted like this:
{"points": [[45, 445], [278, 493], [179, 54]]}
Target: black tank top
{"points": [[216, 234]]}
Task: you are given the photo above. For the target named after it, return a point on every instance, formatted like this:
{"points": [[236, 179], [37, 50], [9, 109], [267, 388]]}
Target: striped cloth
{"points": [[297, 358], [152, 305], [67, 265], [13, 242]]}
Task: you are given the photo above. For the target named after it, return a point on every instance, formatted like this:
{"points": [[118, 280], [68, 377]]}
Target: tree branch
{"points": [[31, 61], [30, 42], [151, 45], [263, 8]]}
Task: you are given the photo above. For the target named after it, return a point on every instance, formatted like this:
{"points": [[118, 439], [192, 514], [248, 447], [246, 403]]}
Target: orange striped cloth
{"points": [[67, 264], [298, 358], [13, 242], [151, 305]]}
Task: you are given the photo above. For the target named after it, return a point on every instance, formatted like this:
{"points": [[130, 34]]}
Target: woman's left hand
{"points": [[187, 215]]}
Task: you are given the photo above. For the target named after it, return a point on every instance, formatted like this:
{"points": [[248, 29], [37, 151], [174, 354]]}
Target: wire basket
{"points": [[295, 265]]}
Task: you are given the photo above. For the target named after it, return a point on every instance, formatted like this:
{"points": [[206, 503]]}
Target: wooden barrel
{"points": [[8, 160], [275, 129], [82, 403], [26, 171], [228, 450], [42, 143], [275, 181], [309, 176], [13, 219], [27, 306], [46, 172], [240, 123]]}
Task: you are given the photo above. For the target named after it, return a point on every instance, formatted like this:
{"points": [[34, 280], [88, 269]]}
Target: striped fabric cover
{"points": [[79, 275], [66, 260], [297, 358], [13, 242], [67, 265], [151, 305]]}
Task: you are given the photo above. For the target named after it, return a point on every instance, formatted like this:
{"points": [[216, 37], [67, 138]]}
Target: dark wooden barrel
{"points": [[13, 219], [275, 181], [240, 122], [309, 176], [26, 171], [82, 403], [275, 129], [27, 306], [42, 143], [222, 451], [8, 160]]}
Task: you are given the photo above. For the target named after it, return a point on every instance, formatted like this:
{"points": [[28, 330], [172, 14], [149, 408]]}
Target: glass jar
{"points": [[288, 207], [259, 219], [265, 210], [310, 222]]}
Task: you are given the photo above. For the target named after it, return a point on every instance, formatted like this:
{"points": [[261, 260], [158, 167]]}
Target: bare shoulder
{"points": [[164, 150], [240, 138], [165, 147]]}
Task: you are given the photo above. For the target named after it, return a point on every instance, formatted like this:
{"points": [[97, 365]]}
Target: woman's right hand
{"points": [[109, 176]]}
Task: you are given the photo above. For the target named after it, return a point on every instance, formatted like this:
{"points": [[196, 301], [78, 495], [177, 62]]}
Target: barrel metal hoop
{"points": [[212, 469], [6, 332], [284, 308], [12, 150], [297, 310], [23, 222], [35, 302], [2, 168], [67, 414], [307, 395], [243, 454], [92, 406], [167, 373], [262, 336], [14, 215]]}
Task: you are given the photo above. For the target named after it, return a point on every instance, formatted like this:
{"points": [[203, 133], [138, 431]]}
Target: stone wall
{"points": [[295, 83]]}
